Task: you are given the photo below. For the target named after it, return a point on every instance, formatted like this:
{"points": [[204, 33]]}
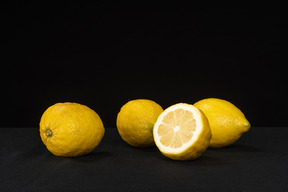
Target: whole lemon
{"points": [[71, 129], [226, 121], [135, 122]]}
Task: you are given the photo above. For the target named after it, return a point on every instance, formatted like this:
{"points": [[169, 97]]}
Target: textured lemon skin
{"points": [[198, 147], [76, 129], [226, 121], [135, 122]]}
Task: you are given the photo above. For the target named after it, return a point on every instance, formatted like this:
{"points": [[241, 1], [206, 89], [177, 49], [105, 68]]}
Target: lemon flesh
{"points": [[135, 122], [71, 129], [226, 121], [182, 132]]}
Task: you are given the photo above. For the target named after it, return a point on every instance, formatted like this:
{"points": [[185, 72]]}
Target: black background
{"points": [[104, 54]]}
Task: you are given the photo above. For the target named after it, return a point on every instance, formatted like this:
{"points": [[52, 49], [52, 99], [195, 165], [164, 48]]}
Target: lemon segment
{"points": [[182, 132]]}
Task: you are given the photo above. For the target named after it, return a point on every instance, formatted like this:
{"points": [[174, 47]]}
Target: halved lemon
{"points": [[182, 132]]}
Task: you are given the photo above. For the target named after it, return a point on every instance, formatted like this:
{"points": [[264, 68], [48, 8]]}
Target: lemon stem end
{"points": [[49, 133]]}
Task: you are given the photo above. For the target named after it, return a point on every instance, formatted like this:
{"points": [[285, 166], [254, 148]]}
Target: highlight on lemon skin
{"points": [[182, 132], [71, 129], [227, 122], [135, 122]]}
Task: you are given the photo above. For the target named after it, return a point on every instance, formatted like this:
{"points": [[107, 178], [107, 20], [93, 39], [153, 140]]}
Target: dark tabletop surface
{"points": [[257, 162]]}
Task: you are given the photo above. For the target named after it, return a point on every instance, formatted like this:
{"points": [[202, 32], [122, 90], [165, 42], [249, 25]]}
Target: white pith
{"points": [[196, 132]]}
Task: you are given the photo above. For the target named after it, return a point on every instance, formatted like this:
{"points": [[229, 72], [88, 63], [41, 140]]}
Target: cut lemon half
{"points": [[182, 132]]}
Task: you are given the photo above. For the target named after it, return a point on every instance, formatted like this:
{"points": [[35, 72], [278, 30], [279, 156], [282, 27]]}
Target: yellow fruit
{"points": [[71, 129], [135, 122], [182, 132], [226, 121]]}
